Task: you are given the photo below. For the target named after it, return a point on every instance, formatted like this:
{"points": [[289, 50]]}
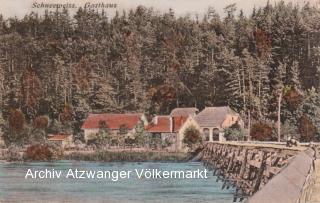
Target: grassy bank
{"points": [[108, 156]]}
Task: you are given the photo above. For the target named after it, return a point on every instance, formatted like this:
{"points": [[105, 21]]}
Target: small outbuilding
{"points": [[64, 140]]}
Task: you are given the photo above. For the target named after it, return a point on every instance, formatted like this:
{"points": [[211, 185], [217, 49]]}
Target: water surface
{"points": [[15, 188]]}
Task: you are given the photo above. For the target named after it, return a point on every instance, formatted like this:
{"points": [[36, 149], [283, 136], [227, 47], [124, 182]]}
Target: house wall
{"points": [[172, 137], [68, 141], [232, 119], [89, 134], [211, 129], [229, 121], [144, 120]]}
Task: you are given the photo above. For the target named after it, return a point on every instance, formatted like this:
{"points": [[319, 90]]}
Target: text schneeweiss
{"points": [[88, 5]]}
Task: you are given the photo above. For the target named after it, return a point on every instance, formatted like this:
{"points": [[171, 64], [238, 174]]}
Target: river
{"points": [[15, 188]]}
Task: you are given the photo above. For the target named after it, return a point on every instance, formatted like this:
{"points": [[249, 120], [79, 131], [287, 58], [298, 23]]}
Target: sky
{"points": [[18, 8]]}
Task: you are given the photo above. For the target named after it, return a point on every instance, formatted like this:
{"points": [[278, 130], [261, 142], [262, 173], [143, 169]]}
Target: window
{"points": [[206, 133], [123, 129], [156, 135], [215, 134]]}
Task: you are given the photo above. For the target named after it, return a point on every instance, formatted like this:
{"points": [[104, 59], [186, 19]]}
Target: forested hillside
{"points": [[56, 68]]}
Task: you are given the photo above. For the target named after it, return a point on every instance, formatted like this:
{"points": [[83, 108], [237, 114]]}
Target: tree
{"points": [[122, 135], [31, 90], [149, 62], [278, 88], [310, 115], [192, 138], [103, 137], [66, 118], [41, 122], [17, 131], [38, 132], [292, 98], [307, 129], [16, 125], [261, 131], [102, 97], [140, 135], [294, 76]]}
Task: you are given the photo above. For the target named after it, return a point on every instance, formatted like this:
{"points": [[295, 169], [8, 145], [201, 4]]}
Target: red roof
{"points": [[178, 122], [162, 126], [58, 137], [113, 121]]}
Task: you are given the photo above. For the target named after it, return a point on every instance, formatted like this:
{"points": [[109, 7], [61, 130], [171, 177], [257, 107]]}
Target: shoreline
{"points": [[114, 156], [128, 156]]}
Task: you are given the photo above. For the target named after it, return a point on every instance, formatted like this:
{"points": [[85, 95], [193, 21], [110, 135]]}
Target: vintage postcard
{"points": [[143, 101]]}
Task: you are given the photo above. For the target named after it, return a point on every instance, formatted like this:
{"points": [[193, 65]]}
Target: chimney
{"points": [[171, 123], [155, 120]]}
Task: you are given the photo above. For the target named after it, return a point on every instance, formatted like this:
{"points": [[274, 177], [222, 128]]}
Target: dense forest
{"points": [[56, 68]]}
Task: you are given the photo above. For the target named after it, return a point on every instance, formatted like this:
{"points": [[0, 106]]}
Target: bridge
{"points": [[265, 172]]}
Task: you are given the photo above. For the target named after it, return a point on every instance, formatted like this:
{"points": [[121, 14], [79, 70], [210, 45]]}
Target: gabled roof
{"points": [[58, 137], [213, 116], [184, 112], [113, 121], [162, 125], [178, 122]]}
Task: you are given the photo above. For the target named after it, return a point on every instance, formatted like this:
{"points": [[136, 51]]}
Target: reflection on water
{"points": [[14, 188]]}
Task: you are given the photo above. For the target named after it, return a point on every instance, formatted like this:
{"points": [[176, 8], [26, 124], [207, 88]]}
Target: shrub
{"points": [[192, 138], [14, 154], [234, 132], [43, 152]]}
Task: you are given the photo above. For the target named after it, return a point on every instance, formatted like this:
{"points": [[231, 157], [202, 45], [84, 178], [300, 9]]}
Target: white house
{"points": [[213, 121], [172, 128], [117, 123]]}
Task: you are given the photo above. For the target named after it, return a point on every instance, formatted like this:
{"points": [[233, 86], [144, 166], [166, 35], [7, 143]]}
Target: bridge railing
{"points": [[271, 143], [306, 191], [293, 184]]}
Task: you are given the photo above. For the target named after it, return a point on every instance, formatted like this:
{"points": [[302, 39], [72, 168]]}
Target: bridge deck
{"points": [[259, 169]]}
